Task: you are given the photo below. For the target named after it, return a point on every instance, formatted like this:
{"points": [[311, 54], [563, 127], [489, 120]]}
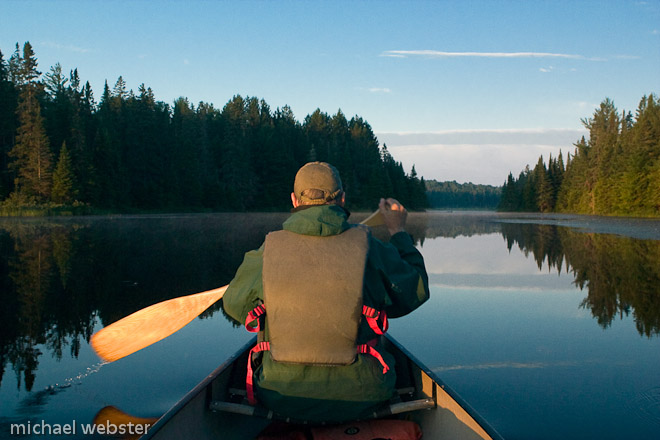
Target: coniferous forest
{"points": [[615, 172], [443, 195], [61, 149]]}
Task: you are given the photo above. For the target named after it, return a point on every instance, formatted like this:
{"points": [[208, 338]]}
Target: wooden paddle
{"points": [[158, 321], [151, 324]]}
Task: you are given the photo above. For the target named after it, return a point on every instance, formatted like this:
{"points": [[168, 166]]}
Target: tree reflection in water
{"points": [[59, 278], [621, 274]]}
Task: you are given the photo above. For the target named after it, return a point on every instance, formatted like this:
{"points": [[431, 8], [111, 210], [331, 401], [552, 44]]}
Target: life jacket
{"points": [[313, 301]]}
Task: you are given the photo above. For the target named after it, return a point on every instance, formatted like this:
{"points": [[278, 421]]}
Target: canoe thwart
{"points": [[238, 408], [248, 410], [403, 407]]}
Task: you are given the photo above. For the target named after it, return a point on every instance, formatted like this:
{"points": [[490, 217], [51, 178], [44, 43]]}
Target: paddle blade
{"points": [[151, 324], [113, 418]]}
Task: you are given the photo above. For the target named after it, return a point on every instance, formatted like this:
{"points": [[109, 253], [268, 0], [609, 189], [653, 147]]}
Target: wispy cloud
{"points": [[67, 47], [441, 54], [374, 89]]}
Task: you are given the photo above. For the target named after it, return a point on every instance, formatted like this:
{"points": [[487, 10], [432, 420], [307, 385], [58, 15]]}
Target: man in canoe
{"points": [[319, 293]]}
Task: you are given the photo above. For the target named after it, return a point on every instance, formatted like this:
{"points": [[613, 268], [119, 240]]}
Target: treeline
{"points": [[58, 146], [615, 172], [462, 195]]}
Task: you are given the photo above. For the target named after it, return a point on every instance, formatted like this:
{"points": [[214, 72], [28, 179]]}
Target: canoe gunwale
{"points": [[199, 388]]}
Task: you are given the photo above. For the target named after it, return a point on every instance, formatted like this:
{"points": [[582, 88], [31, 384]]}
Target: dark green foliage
{"points": [[615, 172], [31, 157], [63, 185], [8, 125], [132, 152], [462, 195]]}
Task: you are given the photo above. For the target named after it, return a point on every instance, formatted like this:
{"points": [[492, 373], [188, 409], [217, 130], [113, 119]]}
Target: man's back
{"points": [[394, 282]]}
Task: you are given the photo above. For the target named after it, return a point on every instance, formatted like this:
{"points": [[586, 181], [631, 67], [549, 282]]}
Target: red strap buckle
{"points": [[376, 319], [254, 315], [368, 349]]}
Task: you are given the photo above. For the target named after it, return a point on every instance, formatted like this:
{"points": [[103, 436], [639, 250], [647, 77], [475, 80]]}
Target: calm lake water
{"points": [[547, 325]]}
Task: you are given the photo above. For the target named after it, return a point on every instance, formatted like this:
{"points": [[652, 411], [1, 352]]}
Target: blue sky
{"points": [[464, 90]]}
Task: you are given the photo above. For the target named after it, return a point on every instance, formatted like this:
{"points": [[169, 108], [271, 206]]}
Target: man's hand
{"points": [[394, 215]]}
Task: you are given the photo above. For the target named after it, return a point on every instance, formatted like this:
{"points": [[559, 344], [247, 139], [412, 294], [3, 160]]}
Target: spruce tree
{"points": [[8, 124], [58, 109], [544, 193], [31, 152], [63, 185]]}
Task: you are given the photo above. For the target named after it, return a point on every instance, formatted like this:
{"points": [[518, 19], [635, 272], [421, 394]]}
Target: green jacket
{"points": [[395, 281]]}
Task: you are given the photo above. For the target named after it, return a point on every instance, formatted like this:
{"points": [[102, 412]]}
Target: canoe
{"points": [[210, 410]]}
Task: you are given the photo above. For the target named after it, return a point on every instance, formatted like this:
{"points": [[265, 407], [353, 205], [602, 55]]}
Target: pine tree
{"points": [[57, 109], [511, 199], [23, 69], [604, 142], [544, 193], [237, 176], [8, 124], [367, 162], [187, 155], [317, 132], [63, 185], [31, 152], [111, 191], [641, 183], [119, 90]]}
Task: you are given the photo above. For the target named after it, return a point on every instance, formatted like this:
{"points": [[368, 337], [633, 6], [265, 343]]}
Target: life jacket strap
{"points": [[254, 315], [249, 379], [377, 319], [368, 349]]}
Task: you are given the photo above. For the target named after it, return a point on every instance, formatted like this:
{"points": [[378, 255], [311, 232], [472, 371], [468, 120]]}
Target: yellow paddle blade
{"points": [[114, 421], [151, 324]]}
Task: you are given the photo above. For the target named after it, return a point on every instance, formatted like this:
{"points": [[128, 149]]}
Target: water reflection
{"points": [[38, 309], [58, 278], [621, 275]]}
